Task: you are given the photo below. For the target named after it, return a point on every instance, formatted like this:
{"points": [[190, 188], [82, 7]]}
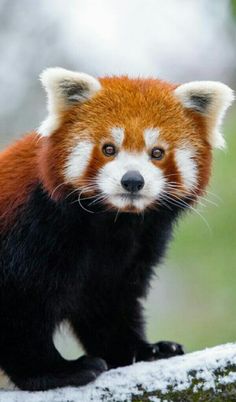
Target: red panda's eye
{"points": [[109, 149], [157, 153]]}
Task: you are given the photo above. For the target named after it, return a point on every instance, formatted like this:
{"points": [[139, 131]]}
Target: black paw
{"points": [[87, 369], [95, 364], [159, 350], [165, 349]]}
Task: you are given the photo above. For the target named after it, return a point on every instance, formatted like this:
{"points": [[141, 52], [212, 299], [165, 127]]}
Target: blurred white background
{"points": [[178, 40]]}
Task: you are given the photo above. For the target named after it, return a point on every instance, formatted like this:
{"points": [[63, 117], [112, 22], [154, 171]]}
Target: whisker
{"points": [[165, 204], [178, 187], [174, 202], [214, 195], [79, 201], [185, 205], [117, 214], [72, 192], [57, 187], [85, 209], [85, 198], [100, 198], [209, 201]]}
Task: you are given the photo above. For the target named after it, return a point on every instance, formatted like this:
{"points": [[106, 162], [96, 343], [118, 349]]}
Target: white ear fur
{"points": [[211, 99], [64, 89]]}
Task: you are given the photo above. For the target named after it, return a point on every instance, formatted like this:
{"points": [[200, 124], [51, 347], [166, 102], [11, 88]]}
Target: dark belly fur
{"points": [[58, 261]]}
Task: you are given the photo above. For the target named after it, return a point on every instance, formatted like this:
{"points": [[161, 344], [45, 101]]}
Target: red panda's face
{"points": [[132, 144]]}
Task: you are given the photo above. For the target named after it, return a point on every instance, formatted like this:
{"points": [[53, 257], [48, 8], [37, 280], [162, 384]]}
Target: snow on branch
{"points": [[208, 375]]}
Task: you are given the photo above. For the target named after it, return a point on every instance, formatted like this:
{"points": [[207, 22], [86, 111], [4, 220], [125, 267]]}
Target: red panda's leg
{"points": [[114, 333], [83, 371], [68, 373], [119, 337], [32, 362]]}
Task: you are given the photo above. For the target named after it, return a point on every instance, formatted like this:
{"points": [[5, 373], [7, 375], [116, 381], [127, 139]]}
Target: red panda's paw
{"points": [[165, 349], [95, 364], [160, 350], [87, 369]]}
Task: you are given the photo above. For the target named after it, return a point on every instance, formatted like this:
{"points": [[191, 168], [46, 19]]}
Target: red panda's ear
{"points": [[210, 99], [64, 89]]}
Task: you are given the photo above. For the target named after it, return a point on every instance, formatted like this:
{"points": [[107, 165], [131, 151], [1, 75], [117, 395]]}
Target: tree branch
{"points": [[208, 375]]}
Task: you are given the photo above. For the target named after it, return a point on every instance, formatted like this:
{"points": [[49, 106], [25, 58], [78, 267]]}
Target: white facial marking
{"points": [[109, 180], [150, 136], [78, 160], [118, 134], [186, 166]]}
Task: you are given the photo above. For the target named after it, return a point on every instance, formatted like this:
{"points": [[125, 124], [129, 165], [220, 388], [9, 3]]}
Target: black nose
{"points": [[132, 181]]}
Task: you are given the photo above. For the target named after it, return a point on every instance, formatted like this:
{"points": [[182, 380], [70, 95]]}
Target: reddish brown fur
{"points": [[19, 174], [134, 104]]}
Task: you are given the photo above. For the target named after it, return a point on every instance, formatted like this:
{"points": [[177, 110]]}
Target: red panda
{"points": [[87, 206]]}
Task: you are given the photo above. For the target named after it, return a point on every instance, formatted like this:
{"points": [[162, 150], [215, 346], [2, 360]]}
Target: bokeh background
{"points": [[193, 299]]}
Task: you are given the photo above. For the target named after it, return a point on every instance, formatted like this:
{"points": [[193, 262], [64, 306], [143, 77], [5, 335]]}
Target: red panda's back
{"points": [[18, 175]]}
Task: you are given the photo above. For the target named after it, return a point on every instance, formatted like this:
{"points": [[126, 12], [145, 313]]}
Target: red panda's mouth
{"points": [[131, 197], [129, 202]]}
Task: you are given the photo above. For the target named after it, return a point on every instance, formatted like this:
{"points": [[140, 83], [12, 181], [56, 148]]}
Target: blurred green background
{"points": [[200, 271], [193, 299]]}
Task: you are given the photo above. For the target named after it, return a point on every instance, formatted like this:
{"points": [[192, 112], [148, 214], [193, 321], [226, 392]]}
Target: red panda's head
{"points": [[129, 143]]}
